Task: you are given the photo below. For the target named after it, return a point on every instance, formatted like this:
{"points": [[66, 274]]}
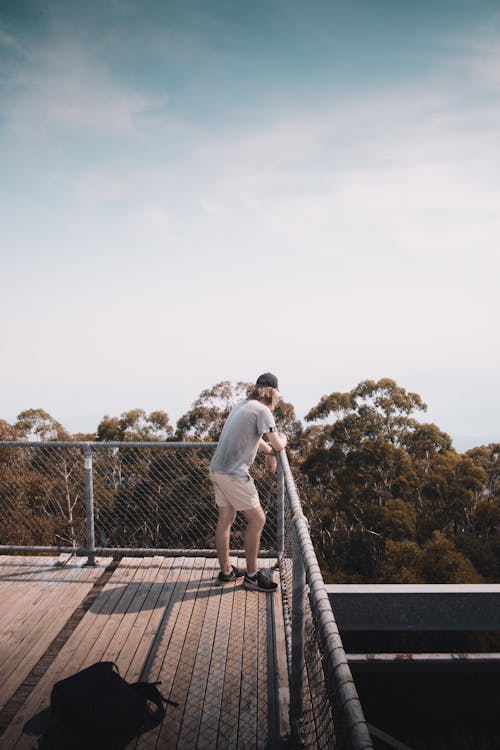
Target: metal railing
{"points": [[144, 498], [114, 498], [325, 711]]}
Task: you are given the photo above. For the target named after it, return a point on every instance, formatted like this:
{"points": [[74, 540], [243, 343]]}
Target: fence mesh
{"points": [[42, 496], [144, 497]]}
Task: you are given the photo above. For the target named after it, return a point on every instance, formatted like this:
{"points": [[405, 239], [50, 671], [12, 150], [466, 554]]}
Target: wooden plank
{"points": [[167, 653], [37, 599], [146, 603], [39, 624], [86, 651], [12, 569], [200, 642], [33, 568], [34, 635], [227, 738], [212, 647], [266, 723], [181, 572], [113, 632], [131, 628], [24, 599], [80, 640], [16, 580], [32, 584], [247, 725], [18, 566], [211, 705], [182, 652], [281, 666], [138, 665]]}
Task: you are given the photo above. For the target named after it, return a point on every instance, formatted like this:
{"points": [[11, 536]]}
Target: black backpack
{"points": [[97, 708]]}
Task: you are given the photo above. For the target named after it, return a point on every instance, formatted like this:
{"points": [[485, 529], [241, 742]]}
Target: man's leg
{"points": [[227, 514], [256, 519]]}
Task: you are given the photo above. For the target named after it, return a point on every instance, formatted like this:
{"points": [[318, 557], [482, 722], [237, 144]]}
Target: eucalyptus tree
{"points": [[380, 475], [129, 498]]}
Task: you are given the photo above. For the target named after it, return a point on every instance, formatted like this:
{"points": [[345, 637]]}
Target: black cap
{"points": [[268, 379]]}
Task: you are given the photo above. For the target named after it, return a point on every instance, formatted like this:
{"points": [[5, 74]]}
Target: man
{"points": [[240, 439]]}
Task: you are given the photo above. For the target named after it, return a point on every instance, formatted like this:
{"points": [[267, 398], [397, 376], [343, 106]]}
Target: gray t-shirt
{"points": [[240, 437]]}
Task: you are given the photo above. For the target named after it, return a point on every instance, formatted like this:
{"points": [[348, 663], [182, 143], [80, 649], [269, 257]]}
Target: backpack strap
{"points": [[150, 692]]}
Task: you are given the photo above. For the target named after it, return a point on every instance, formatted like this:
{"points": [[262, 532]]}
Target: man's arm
{"points": [[277, 440], [265, 448], [276, 444]]}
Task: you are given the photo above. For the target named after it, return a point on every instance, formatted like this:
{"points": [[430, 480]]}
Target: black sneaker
{"points": [[223, 578], [260, 582]]}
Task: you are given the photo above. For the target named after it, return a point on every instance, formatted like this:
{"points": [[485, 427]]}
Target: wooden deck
{"points": [[219, 651]]}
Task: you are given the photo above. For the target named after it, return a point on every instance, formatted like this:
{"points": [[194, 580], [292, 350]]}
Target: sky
{"points": [[201, 191]]}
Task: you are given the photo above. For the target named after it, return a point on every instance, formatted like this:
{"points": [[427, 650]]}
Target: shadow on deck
{"points": [[218, 651]]}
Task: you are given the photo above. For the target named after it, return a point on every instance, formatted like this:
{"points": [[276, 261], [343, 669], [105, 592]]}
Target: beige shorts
{"points": [[236, 491]]}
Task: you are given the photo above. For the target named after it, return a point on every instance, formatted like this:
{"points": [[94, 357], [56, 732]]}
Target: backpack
{"points": [[98, 708]]}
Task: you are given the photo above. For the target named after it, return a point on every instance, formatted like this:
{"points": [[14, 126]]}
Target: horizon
{"points": [[87, 424]]}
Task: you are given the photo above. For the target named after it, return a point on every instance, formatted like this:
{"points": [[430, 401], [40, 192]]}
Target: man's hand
{"points": [[271, 462], [278, 440]]}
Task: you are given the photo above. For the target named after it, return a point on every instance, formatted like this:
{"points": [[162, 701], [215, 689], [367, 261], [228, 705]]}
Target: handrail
{"points": [[104, 444], [338, 671]]}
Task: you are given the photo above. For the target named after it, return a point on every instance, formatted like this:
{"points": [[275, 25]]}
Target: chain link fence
{"points": [[157, 498], [144, 497], [42, 495]]}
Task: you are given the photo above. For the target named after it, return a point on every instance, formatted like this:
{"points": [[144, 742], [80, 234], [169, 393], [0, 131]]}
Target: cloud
{"points": [[77, 101], [61, 88], [392, 169], [476, 54], [411, 166], [10, 42]]}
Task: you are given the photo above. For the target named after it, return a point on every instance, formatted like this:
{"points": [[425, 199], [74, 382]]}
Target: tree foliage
{"points": [[387, 496], [135, 426], [385, 483], [37, 424], [205, 419]]}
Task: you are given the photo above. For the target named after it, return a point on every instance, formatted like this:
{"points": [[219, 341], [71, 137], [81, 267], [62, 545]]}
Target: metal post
{"points": [[297, 673], [280, 512], [89, 504]]}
